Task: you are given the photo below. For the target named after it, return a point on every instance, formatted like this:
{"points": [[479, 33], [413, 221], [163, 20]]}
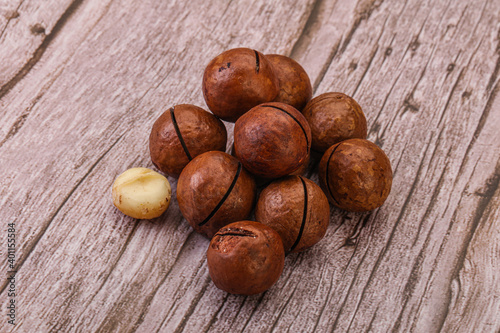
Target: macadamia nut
{"points": [[214, 190], [236, 81], [245, 258], [182, 133], [141, 193], [356, 175], [294, 83], [297, 209], [334, 117], [272, 140]]}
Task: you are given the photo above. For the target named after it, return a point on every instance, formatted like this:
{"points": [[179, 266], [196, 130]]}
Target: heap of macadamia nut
{"points": [[277, 126]]}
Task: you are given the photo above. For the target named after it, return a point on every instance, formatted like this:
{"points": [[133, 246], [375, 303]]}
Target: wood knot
{"points": [[414, 44], [375, 128], [410, 104], [349, 242], [11, 14], [37, 29]]}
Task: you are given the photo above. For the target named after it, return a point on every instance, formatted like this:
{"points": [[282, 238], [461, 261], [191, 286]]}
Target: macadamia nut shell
{"points": [[356, 175], [214, 190], [245, 258], [297, 209], [236, 81], [182, 133], [272, 140], [334, 117], [294, 83]]}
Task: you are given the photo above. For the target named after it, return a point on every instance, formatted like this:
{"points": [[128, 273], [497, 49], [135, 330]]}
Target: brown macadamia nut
{"points": [[182, 133], [141, 193], [272, 140], [214, 190], [334, 117], [260, 181], [356, 175], [236, 81], [245, 258], [294, 83], [297, 209]]}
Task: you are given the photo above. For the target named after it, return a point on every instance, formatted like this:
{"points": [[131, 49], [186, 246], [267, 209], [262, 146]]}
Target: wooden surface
{"points": [[81, 83]]}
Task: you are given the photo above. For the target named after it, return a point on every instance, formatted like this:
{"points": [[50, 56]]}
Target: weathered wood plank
{"points": [[426, 75], [8, 12], [472, 304], [35, 24], [16, 109], [17, 105]]}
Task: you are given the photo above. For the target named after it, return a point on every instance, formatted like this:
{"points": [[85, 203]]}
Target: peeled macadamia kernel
{"points": [[141, 193]]}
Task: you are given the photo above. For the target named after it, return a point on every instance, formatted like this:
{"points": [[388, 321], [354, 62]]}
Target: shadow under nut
{"points": [[213, 191], [272, 140], [297, 209], [356, 175]]}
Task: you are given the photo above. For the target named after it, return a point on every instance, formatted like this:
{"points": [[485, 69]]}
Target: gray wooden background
{"points": [[82, 81]]}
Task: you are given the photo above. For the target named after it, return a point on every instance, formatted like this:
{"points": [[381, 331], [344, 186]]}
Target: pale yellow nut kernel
{"points": [[141, 193]]}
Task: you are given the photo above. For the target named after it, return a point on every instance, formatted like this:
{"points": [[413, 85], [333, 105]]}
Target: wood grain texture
{"points": [[76, 106]]}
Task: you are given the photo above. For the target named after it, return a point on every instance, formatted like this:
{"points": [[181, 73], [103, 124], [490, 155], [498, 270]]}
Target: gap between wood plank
{"points": [[311, 19]]}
